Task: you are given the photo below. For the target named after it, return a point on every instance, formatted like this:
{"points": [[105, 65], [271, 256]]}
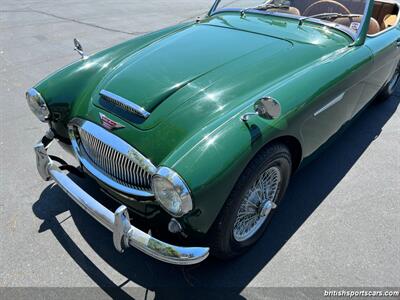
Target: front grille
{"points": [[116, 165]]}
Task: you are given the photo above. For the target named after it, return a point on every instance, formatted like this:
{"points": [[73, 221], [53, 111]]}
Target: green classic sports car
{"points": [[197, 128]]}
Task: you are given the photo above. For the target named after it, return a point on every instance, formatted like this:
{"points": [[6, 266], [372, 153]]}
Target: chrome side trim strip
{"points": [[118, 222], [116, 143], [330, 104], [124, 104]]}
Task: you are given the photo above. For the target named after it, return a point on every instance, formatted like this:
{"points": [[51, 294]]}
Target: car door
{"points": [[333, 108], [385, 47]]}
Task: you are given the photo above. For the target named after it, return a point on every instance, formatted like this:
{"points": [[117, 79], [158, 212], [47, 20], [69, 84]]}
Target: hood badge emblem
{"points": [[108, 123]]}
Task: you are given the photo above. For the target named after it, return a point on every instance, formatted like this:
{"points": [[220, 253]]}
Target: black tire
{"points": [[222, 243], [390, 87]]}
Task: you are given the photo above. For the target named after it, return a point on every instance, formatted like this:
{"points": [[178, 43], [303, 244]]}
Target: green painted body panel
{"points": [[197, 79]]}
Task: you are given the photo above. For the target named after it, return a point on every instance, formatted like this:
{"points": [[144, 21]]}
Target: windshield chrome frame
{"points": [[214, 10]]}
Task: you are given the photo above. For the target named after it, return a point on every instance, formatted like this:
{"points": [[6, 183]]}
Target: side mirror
{"points": [[266, 108], [78, 48]]}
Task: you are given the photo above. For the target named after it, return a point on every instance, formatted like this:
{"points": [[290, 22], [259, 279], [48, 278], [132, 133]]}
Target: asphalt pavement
{"points": [[338, 226]]}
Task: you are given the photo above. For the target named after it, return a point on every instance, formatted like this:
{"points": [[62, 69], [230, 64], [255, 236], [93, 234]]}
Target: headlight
{"points": [[172, 192], [37, 105]]}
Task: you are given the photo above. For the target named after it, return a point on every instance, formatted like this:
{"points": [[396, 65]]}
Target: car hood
{"points": [[152, 75], [195, 78]]}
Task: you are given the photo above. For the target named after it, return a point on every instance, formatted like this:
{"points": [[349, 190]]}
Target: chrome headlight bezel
{"points": [[176, 185], [37, 105]]}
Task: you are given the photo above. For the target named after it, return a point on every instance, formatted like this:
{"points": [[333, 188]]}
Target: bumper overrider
{"points": [[118, 222]]}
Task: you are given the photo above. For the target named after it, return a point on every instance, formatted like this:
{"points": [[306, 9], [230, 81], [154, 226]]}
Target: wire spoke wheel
{"points": [[257, 204]]}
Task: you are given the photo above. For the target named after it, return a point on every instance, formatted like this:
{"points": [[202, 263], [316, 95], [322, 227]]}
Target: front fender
{"points": [[212, 160], [213, 165]]}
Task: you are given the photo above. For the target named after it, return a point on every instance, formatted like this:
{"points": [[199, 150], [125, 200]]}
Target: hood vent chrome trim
{"points": [[124, 104], [110, 159]]}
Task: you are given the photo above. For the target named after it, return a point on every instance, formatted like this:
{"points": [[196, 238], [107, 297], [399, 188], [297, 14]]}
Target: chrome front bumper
{"points": [[118, 222]]}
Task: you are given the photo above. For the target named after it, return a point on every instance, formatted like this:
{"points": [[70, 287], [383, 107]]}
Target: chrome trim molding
{"points": [[124, 104], [124, 234], [330, 104], [115, 148]]}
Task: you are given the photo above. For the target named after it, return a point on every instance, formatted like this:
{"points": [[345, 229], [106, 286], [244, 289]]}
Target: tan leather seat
{"points": [[389, 21], [374, 27], [291, 10]]}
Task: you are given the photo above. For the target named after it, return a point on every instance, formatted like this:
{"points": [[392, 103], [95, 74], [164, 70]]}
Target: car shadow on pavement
{"points": [[308, 188]]}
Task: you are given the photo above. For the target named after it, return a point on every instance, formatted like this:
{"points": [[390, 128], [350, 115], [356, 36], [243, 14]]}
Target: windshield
{"points": [[347, 14]]}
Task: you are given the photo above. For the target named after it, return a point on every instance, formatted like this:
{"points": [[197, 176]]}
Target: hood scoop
{"points": [[122, 107], [125, 104]]}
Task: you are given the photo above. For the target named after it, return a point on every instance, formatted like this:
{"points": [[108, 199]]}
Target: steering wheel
{"points": [[326, 6]]}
